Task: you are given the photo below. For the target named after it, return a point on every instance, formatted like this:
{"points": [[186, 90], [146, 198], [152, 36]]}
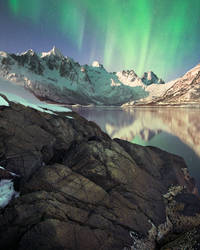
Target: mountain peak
{"points": [[29, 52], [54, 51], [97, 64], [150, 77]]}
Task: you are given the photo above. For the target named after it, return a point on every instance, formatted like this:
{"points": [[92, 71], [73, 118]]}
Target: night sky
{"points": [[158, 35]]}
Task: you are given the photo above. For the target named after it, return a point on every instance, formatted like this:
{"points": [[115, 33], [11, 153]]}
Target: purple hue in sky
{"points": [[19, 32]]}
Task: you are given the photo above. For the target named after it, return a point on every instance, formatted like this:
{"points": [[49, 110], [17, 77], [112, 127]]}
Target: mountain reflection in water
{"points": [[176, 130]]}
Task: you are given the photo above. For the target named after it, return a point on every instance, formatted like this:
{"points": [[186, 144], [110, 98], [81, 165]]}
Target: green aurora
{"points": [[144, 35]]}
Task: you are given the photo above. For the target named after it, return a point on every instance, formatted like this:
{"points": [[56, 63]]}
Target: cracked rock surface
{"points": [[79, 189]]}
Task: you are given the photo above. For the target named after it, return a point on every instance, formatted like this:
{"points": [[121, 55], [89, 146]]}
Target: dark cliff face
{"points": [[81, 190], [30, 59], [149, 78]]}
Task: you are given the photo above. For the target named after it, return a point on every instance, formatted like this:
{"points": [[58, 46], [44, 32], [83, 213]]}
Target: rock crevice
{"points": [[79, 189]]}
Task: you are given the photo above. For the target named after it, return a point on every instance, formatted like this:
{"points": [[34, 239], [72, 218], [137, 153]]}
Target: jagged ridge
{"points": [[58, 78]]}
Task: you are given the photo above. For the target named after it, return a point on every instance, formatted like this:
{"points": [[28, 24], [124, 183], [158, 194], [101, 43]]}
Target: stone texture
{"points": [[81, 190]]}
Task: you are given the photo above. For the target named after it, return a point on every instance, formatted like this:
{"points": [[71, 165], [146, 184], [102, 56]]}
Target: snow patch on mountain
{"points": [[97, 64], [54, 52], [29, 52], [18, 94], [156, 90], [52, 76], [130, 78]]}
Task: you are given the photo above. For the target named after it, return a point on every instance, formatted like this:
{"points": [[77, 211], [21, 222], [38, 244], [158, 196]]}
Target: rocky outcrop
{"points": [[149, 78], [31, 59], [79, 189]]}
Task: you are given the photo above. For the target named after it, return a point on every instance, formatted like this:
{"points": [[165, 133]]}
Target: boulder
{"points": [[79, 189]]}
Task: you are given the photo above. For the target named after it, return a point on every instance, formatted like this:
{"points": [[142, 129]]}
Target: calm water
{"points": [[176, 130]]}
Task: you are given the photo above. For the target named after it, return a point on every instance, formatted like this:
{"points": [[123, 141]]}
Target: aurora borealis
{"points": [[158, 35]]}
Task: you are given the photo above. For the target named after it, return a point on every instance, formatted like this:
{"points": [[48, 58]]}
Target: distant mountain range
{"points": [[182, 91], [185, 90], [53, 77]]}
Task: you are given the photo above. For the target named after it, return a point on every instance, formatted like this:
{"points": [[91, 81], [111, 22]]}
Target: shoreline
{"points": [[136, 106], [125, 106]]}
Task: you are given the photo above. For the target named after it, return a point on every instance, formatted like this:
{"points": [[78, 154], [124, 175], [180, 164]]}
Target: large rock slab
{"points": [[79, 189]]}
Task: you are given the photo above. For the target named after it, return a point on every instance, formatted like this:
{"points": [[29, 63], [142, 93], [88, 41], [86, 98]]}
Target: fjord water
{"points": [[176, 130]]}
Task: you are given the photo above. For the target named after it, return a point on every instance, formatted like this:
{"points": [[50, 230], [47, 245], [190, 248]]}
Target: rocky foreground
{"points": [[79, 189]]}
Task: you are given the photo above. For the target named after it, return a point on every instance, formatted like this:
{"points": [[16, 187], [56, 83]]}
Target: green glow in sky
{"points": [[14, 5], [134, 34]]}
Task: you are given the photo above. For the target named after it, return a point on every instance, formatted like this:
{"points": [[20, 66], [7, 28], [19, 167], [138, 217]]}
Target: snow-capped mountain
{"points": [[54, 77], [181, 91], [185, 90]]}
